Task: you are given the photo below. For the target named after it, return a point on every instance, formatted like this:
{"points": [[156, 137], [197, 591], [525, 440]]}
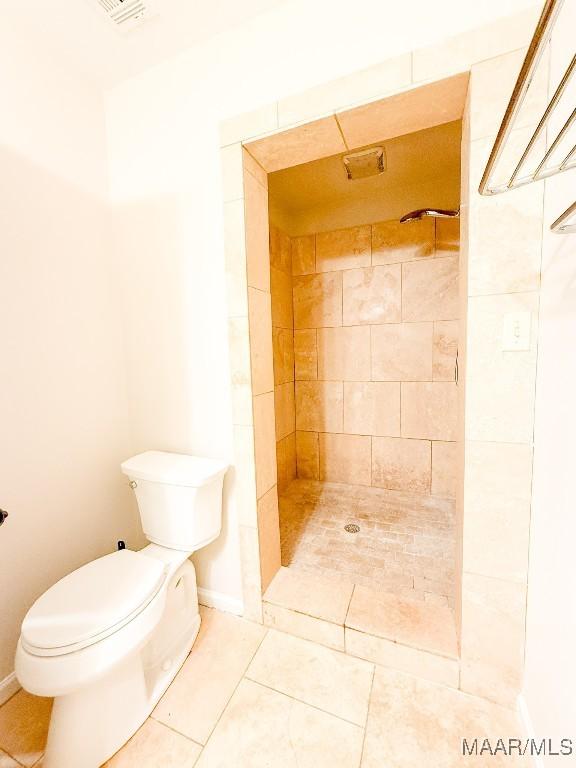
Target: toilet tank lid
{"points": [[173, 468]]}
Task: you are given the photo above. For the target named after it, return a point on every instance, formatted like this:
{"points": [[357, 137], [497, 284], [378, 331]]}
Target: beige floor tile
{"points": [[302, 625], [262, 728], [156, 746], [326, 599], [319, 676], [7, 762], [386, 653], [24, 723], [414, 723], [202, 688], [410, 622]]}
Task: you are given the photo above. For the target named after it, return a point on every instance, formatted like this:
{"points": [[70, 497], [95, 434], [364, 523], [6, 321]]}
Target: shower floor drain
{"points": [[352, 528]]}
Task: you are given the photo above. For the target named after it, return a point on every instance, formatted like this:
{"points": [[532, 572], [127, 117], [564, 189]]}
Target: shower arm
{"points": [[437, 213]]}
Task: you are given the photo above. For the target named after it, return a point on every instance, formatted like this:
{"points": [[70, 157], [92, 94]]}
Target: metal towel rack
{"points": [[554, 159]]}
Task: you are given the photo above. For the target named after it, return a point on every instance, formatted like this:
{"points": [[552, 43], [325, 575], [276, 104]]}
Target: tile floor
{"points": [[406, 543], [248, 697]]}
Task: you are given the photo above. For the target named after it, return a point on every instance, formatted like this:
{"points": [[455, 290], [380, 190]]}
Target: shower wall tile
{"points": [[492, 82], [430, 290], [284, 410], [372, 295], [239, 350], [411, 110], [254, 123], [492, 653], [320, 406], [318, 300], [257, 248], [253, 167], [403, 465], [505, 231], [260, 320], [268, 537], [235, 259], [344, 354], [393, 242], [283, 347], [444, 348], [353, 353], [358, 87], [305, 355], [303, 255], [499, 384], [372, 408], [280, 250], [232, 172], [281, 289], [286, 460], [444, 462], [457, 54], [447, 237], [264, 442], [245, 475], [302, 144], [497, 483], [343, 249], [307, 455], [402, 352], [345, 458], [429, 410]]}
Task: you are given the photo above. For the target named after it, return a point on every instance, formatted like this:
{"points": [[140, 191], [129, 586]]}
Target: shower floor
{"points": [[405, 543]]}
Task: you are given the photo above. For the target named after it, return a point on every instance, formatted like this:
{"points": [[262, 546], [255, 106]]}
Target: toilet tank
{"points": [[179, 497]]}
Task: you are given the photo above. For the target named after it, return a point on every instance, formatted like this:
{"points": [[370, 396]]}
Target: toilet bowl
{"points": [[107, 639]]}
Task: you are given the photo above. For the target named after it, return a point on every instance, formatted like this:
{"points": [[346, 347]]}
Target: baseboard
{"points": [[8, 687], [220, 601], [526, 721]]}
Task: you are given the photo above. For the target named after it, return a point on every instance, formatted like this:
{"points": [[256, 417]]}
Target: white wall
{"points": [[63, 414], [550, 678]]}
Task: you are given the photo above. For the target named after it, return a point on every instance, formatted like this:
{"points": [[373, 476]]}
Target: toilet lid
{"points": [[92, 599]]}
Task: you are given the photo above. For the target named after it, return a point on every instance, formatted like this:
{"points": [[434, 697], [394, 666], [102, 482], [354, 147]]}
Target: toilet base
{"points": [[92, 723]]}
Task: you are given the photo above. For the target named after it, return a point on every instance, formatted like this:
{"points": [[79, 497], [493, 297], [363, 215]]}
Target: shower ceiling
{"points": [[415, 160]]}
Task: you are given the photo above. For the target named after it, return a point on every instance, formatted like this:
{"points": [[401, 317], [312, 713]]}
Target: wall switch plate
{"points": [[516, 331]]}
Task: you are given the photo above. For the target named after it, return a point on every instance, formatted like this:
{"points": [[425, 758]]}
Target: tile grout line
{"points": [[307, 703], [243, 677], [367, 713]]}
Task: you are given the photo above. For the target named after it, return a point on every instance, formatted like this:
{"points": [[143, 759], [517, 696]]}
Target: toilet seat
{"points": [[92, 603]]}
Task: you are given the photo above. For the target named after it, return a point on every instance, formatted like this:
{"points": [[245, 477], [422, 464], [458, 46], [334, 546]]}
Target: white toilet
{"points": [[108, 639]]}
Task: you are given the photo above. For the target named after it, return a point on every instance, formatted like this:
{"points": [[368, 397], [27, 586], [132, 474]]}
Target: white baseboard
{"points": [[220, 601], [8, 687], [526, 721]]}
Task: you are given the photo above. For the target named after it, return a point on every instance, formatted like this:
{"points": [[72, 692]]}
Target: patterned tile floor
{"points": [[406, 543]]}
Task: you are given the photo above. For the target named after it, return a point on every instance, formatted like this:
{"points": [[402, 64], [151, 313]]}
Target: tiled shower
{"points": [[365, 341]]}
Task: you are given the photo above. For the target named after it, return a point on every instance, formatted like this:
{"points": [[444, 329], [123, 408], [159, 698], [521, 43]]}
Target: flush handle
{"points": [[3, 515], [133, 484]]}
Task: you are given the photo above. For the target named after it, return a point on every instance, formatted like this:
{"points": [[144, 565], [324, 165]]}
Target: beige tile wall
{"points": [[375, 337], [283, 353]]}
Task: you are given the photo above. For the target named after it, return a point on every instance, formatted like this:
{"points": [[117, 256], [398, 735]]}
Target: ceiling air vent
{"points": [[126, 13]]}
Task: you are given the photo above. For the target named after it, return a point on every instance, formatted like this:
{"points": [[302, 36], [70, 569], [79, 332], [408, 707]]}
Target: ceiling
{"points": [[76, 33], [324, 181]]}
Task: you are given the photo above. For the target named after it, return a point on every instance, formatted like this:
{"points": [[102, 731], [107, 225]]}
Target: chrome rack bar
{"points": [[488, 186]]}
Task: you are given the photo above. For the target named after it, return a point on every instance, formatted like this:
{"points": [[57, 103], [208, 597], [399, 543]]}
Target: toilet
{"points": [[107, 640]]}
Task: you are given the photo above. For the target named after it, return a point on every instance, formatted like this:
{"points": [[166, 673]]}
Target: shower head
{"points": [[437, 213]]}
